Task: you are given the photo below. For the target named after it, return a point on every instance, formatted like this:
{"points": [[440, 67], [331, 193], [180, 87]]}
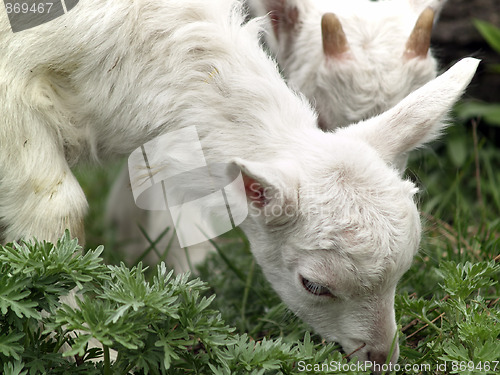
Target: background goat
{"points": [[352, 59]]}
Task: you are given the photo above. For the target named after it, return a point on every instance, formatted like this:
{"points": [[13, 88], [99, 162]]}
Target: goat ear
{"points": [[269, 187], [420, 5], [284, 14], [418, 118]]}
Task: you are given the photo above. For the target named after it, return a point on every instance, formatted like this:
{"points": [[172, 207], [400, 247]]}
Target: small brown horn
{"points": [[419, 42], [334, 39]]}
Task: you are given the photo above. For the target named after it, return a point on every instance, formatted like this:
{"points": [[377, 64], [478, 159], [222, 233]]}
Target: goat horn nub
{"points": [[419, 42], [334, 39]]}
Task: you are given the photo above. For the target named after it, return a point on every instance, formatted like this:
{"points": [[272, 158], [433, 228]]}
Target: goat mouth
{"points": [[352, 353]]}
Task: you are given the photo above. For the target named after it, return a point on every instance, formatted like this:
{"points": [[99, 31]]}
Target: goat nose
{"points": [[379, 358]]}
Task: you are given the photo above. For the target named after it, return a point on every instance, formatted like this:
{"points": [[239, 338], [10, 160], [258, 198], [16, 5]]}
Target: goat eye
{"points": [[315, 288]]}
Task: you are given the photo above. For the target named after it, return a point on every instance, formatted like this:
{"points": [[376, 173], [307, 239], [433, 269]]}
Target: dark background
{"points": [[455, 37]]}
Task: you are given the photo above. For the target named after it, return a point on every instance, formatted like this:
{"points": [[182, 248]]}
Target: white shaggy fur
{"points": [[111, 75], [367, 79], [371, 77]]}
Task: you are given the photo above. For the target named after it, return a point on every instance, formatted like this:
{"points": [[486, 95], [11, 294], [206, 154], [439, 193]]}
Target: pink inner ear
{"points": [[275, 8], [255, 191], [275, 22], [282, 16]]}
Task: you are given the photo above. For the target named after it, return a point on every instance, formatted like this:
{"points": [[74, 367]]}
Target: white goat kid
{"points": [[111, 75], [353, 59]]}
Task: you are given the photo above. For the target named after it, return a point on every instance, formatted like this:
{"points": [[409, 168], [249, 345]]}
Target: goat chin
{"points": [[110, 76]]}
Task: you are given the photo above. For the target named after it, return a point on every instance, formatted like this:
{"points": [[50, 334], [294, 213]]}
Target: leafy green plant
{"points": [[461, 327], [160, 326]]}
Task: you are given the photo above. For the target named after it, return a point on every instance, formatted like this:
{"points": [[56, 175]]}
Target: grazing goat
{"points": [[333, 226], [382, 62], [352, 59]]}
